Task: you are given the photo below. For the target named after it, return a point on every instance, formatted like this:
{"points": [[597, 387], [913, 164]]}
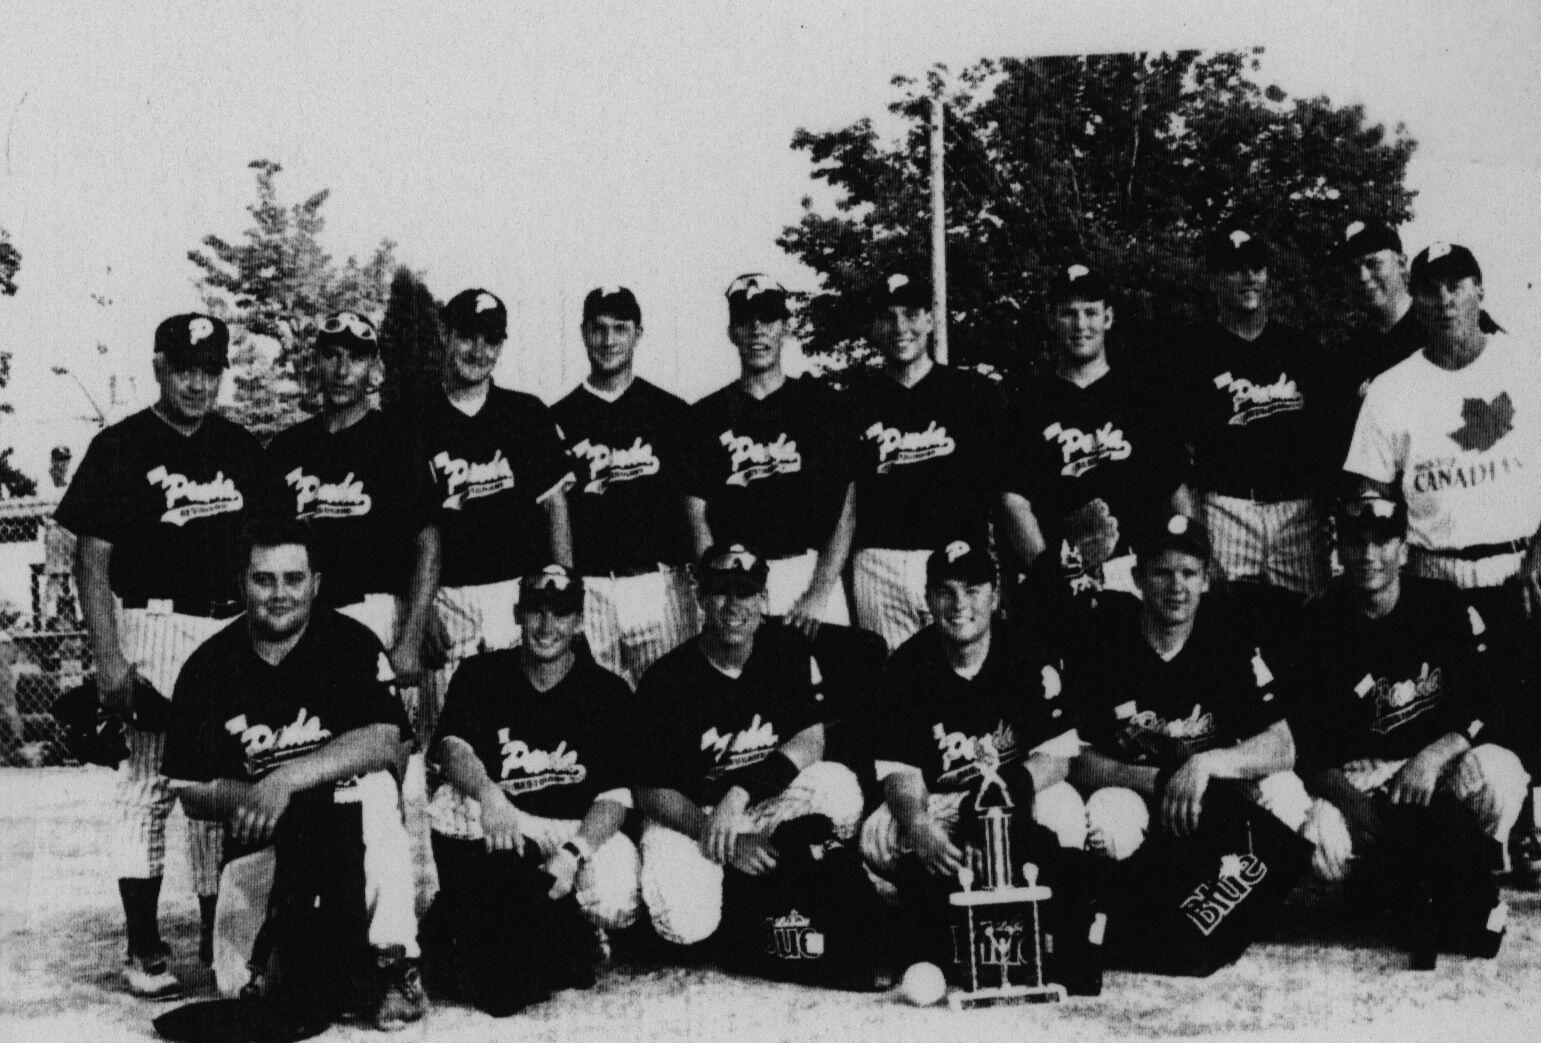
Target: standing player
{"points": [[630, 444], [772, 472], [292, 704], [500, 481], [1264, 430], [533, 744], [1096, 465], [1455, 432], [928, 463], [1171, 699], [731, 746], [158, 504], [349, 473]]}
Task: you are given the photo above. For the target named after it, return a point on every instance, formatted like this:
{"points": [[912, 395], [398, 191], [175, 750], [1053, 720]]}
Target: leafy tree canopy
{"points": [[10, 264], [1126, 162]]}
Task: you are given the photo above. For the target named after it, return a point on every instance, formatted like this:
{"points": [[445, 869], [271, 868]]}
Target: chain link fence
{"points": [[43, 646]]}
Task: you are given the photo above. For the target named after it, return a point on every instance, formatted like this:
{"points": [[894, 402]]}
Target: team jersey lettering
{"points": [[899, 448], [1251, 401], [750, 460], [607, 465], [314, 498], [965, 757], [187, 499], [1083, 450], [1211, 902], [1150, 734], [470, 481], [538, 768], [1437, 475], [742, 748], [266, 747], [1397, 702]]}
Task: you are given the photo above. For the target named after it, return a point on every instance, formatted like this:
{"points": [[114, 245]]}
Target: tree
{"points": [[12, 480], [10, 264], [1124, 161], [275, 286], [410, 346]]}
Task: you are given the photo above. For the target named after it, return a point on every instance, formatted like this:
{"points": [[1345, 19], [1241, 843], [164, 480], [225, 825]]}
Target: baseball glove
{"points": [[95, 736]]}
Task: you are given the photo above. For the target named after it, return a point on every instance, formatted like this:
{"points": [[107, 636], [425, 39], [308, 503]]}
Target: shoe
{"points": [[1525, 860], [399, 999], [149, 977]]}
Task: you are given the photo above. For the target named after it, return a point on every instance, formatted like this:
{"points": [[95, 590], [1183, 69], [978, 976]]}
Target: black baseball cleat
{"points": [[400, 998], [148, 975]]}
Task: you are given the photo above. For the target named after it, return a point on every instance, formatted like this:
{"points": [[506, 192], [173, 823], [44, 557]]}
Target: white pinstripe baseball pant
{"points": [[788, 578], [1281, 544], [632, 621], [157, 642], [1059, 807], [682, 888], [889, 587], [607, 887]]}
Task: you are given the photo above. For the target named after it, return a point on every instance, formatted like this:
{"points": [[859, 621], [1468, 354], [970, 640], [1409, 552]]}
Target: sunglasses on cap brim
{"points": [[353, 324], [1369, 508]]}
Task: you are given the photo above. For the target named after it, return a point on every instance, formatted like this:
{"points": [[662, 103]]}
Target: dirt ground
{"points": [[60, 925]]}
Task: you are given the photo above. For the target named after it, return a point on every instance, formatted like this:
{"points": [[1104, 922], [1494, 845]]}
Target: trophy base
{"points": [[1006, 995]]}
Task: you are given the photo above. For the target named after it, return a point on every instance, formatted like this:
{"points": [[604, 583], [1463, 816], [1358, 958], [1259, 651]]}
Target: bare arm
{"points": [[700, 531], [600, 823], [721, 832], [1416, 780], [1270, 750], [1023, 533], [558, 527], [501, 829], [1092, 770], [826, 574], [93, 562], [670, 807], [406, 656], [909, 803]]}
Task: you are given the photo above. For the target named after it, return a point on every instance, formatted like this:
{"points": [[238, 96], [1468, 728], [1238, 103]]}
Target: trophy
{"points": [[998, 937]]}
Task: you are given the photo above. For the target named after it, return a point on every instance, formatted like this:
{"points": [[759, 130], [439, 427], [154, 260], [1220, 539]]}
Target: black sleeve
{"points": [[369, 694], [90, 504], [546, 453], [660, 758], [461, 716]]}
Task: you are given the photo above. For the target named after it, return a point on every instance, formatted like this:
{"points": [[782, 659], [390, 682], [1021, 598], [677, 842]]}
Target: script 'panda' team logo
{"points": [[967, 757], [1083, 450], [1397, 702], [314, 498], [749, 460], [607, 465], [898, 448], [265, 747], [526, 769], [187, 499], [465, 480], [738, 749], [1250, 401]]}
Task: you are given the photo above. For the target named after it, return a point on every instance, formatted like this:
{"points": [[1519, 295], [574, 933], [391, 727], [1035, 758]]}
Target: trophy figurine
{"points": [[998, 938]]}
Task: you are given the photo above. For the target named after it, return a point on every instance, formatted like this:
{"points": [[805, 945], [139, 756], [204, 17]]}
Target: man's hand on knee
{"points": [[753, 854]]}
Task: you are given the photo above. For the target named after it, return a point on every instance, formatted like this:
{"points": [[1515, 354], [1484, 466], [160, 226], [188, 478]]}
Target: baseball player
{"points": [[630, 446], [928, 461], [730, 746], [772, 470], [1266, 423], [500, 482], [1455, 432], [157, 505], [1095, 464], [1391, 698], [349, 472], [1172, 697], [533, 745], [296, 702]]}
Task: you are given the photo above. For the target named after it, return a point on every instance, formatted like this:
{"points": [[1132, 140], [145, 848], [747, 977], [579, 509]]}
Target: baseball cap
{"points": [[903, 288], [350, 330], [1445, 263], [959, 560], [1077, 282], [1367, 237], [732, 568], [615, 301], [193, 340], [555, 587], [755, 295], [1234, 249], [1175, 532], [476, 312], [1371, 514], [61, 452]]}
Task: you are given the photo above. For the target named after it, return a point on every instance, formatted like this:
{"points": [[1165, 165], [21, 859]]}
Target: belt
{"points": [[634, 570], [1479, 551], [221, 609], [789, 555]]}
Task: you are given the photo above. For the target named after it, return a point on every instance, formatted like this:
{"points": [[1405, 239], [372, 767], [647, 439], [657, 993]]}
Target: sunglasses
{"points": [[356, 325], [751, 286], [1369, 508]]}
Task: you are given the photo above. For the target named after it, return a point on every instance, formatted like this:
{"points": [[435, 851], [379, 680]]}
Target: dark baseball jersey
{"points": [[928, 460], [700, 726], [490, 473], [772, 471], [171, 505], [632, 460], [1384, 688], [552, 752], [1143, 709], [1371, 351], [1073, 445], [1267, 418], [949, 726], [237, 716], [365, 498]]}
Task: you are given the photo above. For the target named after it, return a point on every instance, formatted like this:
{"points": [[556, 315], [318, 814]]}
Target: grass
{"points": [[59, 963]]}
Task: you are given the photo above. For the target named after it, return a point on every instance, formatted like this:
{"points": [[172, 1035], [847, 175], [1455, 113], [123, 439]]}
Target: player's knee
{"points": [[1284, 795], [610, 887], [834, 791], [681, 887], [1061, 809], [1492, 781], [1117, 820]]}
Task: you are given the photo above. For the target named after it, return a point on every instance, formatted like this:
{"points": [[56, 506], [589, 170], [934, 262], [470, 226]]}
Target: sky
{"points": [[540, 149]]}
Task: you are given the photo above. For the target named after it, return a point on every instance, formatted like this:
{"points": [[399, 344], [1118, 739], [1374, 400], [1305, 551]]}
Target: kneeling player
{"points": [[731, 746], [1172, 698], [532, 743], [294, 704]]}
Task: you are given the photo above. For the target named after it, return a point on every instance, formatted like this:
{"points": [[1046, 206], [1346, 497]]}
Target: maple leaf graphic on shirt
{"points": [[1484, 423]]}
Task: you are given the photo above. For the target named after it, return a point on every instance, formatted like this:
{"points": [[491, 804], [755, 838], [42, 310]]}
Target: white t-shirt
{"points": [[1466, 445]]}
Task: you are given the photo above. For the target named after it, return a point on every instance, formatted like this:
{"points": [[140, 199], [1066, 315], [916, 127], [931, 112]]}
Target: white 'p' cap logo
{"points": [[1077, 271], [1438, 250], [1353, 229], [897, 280], [1239, 237], [485, 302], [738, 557], [956, 549], [199, 329], [553, 577], [1177, 525]]}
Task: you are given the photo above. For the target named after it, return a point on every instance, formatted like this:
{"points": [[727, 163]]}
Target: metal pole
{"points": [[938, 235]]}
